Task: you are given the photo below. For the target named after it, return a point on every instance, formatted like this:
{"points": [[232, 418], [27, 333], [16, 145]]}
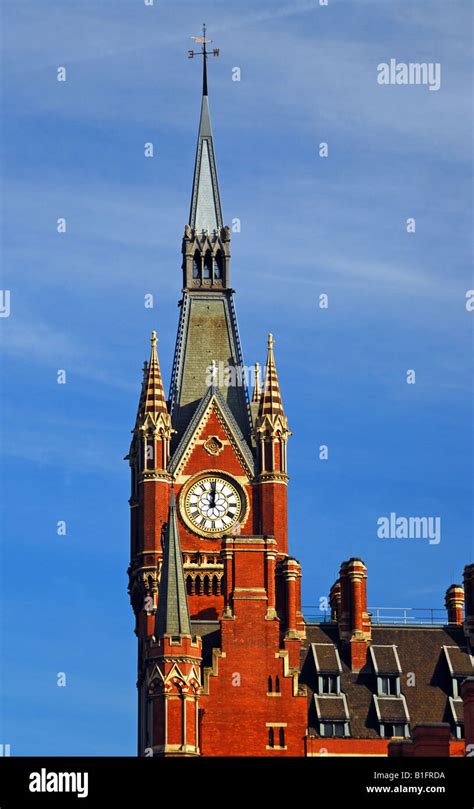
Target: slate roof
{"points": [[331, 708], [326, 658], [385, 659], [420, 651], [391, 709], [460, 663], [206, 211], [172, 615], [207, 333]]}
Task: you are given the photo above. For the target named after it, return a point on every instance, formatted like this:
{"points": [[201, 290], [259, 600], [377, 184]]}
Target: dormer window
{"points": [[329, 684], [388, 685], [461, 665], [337, 730], [456, 682], [387, 669], [390, 729], [332, 712]]}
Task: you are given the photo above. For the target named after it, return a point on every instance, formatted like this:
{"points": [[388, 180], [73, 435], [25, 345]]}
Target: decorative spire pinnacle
{"points": [[152, 403], [257, 391], [270, 401], [204, 60], [155, 402], [172, 616], [206, 211]]}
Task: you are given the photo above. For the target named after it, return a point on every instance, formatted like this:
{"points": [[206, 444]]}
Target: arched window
{"points": [[271, 737], [270, 685], [282, 737], [218, 266], [207, 265], [196, 265], [277, 684]]}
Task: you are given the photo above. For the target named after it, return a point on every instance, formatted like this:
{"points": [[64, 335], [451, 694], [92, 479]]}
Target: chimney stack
{"points": [[354, 620], [335, 600], [454, 602]]}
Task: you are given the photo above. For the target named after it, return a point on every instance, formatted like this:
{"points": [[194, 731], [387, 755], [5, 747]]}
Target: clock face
{"points": [[212, 505]]}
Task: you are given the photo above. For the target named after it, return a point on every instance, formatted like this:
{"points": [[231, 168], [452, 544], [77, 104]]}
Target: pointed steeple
{"points": [[271, 434], [257, 394], [207, 327], [153, 431], [172, 616], [270, 401], [257, 391], [206, 211], [152, 399]]}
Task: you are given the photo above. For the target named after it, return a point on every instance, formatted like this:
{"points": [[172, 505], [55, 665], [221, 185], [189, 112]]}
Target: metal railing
{"points": [[381, 616]]}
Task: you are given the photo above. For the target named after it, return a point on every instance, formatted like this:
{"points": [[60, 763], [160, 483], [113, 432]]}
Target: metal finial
{"points": [[203, 41]]}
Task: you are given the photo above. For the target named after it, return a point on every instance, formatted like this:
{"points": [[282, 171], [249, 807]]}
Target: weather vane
{"points": [[204, 53]]}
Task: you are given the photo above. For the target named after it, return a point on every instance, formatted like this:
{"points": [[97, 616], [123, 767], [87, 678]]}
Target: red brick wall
{"points": [[208, 608], [237, 707], [274, 513], [153, 512]]}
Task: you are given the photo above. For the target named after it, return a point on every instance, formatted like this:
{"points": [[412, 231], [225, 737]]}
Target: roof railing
{"points": [[381, 616]]}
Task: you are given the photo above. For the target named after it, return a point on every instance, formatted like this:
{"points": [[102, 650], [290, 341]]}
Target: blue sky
{"points": [[308, 226]]}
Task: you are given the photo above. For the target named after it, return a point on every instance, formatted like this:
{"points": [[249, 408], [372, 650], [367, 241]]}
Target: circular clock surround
{"points": [[212, 504]]}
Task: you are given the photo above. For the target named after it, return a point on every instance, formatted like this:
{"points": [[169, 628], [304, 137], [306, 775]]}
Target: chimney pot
{"points": [[454, 602]]}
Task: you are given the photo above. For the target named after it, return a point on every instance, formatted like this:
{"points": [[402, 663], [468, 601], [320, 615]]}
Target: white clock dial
{"points": [[213, 505]]}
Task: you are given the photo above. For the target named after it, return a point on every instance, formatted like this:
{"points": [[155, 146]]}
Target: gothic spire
{"points": [[206, 211], [270, 401], [152, 399], [172, 616], [257, 391]]}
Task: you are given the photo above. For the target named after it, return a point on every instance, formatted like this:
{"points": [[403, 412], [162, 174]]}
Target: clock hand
{"points": [[213, 493]]}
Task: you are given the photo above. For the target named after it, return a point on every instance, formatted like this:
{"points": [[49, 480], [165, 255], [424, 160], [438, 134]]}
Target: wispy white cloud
{"points": [[39, 343]]}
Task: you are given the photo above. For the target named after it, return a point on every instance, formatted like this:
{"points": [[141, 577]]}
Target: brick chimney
{"points": [[454, 602], [469, 608], [431, 739], [401, 748], [354, 620], [467, 694], [335, 600]]}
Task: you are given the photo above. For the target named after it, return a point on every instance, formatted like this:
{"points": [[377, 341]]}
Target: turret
{"points": [[171, 679], [149, 458], [271, 435]]}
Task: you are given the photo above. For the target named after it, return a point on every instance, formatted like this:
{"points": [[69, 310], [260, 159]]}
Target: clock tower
{"points": [[215, 594]]}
